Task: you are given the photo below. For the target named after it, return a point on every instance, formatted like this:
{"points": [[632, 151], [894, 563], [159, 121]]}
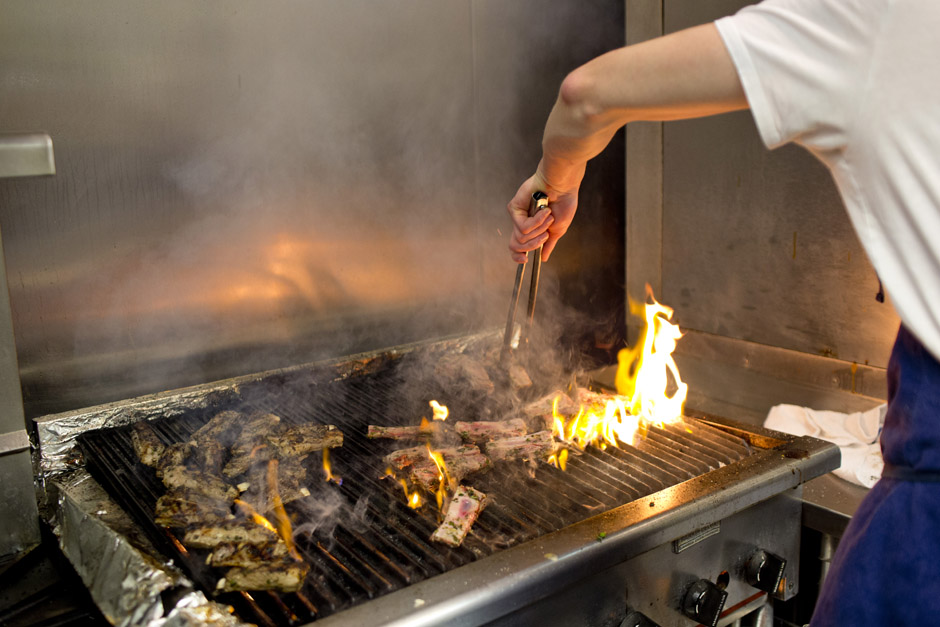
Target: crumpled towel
{"points": [[855, 434]]}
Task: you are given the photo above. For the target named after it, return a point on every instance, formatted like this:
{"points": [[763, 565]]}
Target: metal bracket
{"points": [[14, 442]]}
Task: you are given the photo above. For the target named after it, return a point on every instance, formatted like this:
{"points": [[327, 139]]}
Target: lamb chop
{"points": [[480, 432], [147, 444], [285, 575], [242, 531], [305, 439], [224, 428], [183, 508], [252, 437], [465, 372], [247, 555], [539, 414], [528, 446], [291, 484], [462, 512], [181, 477], [459, 462], [424, 431], [518, 377], [400, 458]]}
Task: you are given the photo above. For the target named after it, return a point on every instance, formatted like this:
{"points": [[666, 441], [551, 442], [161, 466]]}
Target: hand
{"points": [[546, 226]]}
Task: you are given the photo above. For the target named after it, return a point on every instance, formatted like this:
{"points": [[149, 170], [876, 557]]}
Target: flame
{"points": [[443, 477], [281, 521], [328, 468], [413, 499], [440, 411], [645, 374], [255, 517]]}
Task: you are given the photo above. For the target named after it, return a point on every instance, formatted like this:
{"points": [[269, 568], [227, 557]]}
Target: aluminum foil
{"points": [[194, 609]]}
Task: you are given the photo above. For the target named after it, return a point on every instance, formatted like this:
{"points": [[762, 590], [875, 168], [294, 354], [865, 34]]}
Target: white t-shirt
{"points": [[857, 82]]}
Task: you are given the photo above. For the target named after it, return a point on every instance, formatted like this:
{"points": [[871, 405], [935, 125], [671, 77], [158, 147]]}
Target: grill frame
{"points": [[471, 595]]}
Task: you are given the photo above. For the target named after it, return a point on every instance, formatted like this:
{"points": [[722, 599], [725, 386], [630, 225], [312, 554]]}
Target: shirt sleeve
{"points": [[802, 64]]}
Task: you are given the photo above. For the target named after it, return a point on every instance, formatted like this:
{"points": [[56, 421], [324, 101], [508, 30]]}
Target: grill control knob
{"points": [[764, 570], [637, 619], [703, 601]]}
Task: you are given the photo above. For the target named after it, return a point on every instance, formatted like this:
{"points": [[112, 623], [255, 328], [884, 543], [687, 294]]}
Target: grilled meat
{"points": [[407, 456], [181, 477], [243, 531], [241, 463], [147, 444], [538, 414], [462, 512], [291, 484], [224, 428], [183, 508], [285, 575], [480, 432], [206, 455], [518, 377], [247, 555], [174, 455], [257, 427], [459, 462], [464, 372], [521, 447], [423, 432], [305, 439]]}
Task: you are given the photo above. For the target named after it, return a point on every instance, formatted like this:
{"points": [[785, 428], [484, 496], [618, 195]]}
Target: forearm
{"points": [[683, 75]]}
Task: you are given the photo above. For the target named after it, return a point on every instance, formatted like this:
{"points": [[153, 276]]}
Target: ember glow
{"points": [[645, 375], [440, 411]]}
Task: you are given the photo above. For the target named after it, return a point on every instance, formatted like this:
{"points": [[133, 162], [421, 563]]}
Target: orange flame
{"points": [[282, 522], [645, 374], [328, 468], [440, 411], [255, 517], [443, 477]]}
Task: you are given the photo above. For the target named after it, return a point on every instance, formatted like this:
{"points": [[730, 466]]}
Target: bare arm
{"points": [[683, 75]]}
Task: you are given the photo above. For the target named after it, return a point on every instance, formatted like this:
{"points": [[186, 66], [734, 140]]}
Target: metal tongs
{"points": [[539, 201]]}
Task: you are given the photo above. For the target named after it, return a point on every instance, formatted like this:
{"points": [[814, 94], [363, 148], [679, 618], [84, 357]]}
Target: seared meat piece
{"points": [[206, 455], [174, 455], [596, 400], [480, 432], [423, 432], [291, 484], [258, 456], [518, 377], [224, 428], [183, 508], [521, 447], [181, 477], [304, 439], [407, 456], [462, 512], [459, 462], [538, 414], [285, 575], [147, 444], [247, 555], [243, 531], [465, 372]]}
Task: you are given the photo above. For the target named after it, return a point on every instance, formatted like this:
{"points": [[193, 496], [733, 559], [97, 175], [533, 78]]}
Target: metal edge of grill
{"points": [[484, 590]]}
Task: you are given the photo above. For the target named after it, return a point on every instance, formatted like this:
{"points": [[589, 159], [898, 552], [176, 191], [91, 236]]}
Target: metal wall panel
{"points": [[756, 244], [248, 185]]}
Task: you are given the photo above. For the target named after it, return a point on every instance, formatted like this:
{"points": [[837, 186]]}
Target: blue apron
{"points": [[886, 570]]}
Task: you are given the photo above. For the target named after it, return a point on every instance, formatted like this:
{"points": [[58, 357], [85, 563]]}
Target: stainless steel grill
{"points": [[381, 546]]}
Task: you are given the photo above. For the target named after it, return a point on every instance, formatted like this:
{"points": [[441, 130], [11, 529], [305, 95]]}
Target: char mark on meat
{"points": [[459, 462], [285, 575], [247, 555], [224, 428], [185, 508], [413, 432], [305, 439], [183, 478], [241, 531]]}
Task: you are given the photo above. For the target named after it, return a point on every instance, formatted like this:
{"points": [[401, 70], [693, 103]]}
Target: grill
{"points": [[363, 543]]}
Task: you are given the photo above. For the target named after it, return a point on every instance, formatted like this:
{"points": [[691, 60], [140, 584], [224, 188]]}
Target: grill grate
{"points": [[379, 544]]}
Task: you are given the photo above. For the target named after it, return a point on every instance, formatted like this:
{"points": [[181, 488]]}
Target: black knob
{"points": [[764, 571], [637, 619], [703, 602]]}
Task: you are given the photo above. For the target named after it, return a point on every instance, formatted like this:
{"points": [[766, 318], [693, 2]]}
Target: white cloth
{"points": [[855, 434], [857, 82]]}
